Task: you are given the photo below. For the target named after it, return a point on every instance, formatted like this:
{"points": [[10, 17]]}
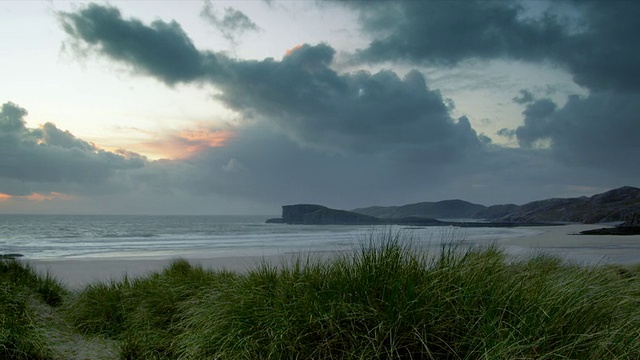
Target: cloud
{"points": [[161, 49], [537, 118], [360, 112], [600, 130], [50, 156], [301, 94], [593, 40], [233, 24], [448, 32], [233, 166], [603, 54], [507, 133], [267, 166], [524, 97]]}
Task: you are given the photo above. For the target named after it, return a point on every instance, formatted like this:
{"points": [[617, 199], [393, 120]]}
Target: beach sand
{"points": [[78, 272], [558, 240]]}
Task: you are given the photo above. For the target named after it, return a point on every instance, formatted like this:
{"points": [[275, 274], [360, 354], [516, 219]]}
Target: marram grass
{"points": [[21, 334], [387, 300]]}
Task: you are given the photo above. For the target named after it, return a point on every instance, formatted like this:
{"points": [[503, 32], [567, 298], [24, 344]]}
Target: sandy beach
{"points": [[78, 272], [559, 240]]}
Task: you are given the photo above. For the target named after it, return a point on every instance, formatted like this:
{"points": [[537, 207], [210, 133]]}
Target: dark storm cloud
{"points": [[600, 130], [537, 121], [508, 133], [161, 49], [360, 111], [598, 44], [233, 24], [301, 94], [595, 41], [448, 32], [524, 97], [50, 155], [604, 52]]}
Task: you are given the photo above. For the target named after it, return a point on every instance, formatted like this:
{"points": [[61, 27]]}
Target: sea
{"points": [[52, 237]]}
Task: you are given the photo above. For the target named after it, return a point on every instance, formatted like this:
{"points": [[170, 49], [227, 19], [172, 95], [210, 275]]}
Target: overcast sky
{"points": [[214, 107]]}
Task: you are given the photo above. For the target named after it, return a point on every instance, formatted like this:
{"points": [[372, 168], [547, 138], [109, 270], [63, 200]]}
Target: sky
{"points": [[239, 107]]}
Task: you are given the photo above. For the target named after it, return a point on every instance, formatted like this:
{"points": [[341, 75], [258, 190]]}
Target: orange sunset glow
{"points": [[182, 145], [36, 196], [292, 50], [206, 138], [192, 142]]}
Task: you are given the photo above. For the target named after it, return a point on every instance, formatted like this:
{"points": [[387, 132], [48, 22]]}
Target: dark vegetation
{"points": [[21, 335]]}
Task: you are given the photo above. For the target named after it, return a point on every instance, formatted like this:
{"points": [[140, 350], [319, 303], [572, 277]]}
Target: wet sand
{"points": [[558, 240], [566, 242]]}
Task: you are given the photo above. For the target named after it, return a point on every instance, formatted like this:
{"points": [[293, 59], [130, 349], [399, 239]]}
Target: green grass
{"points": [[21, 335], [143, 313], [48, 289], [387, 300]]}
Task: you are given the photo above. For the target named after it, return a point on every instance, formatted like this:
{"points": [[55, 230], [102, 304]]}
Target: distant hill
{"points": [[617, 205], [448, 209]]}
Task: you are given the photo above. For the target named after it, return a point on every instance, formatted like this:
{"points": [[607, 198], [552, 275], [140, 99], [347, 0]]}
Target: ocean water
{"points": [[97, 236]]}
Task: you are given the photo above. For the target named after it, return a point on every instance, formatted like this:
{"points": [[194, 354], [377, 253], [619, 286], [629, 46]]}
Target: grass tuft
{"points": [[21, 335], [49, 289]]}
